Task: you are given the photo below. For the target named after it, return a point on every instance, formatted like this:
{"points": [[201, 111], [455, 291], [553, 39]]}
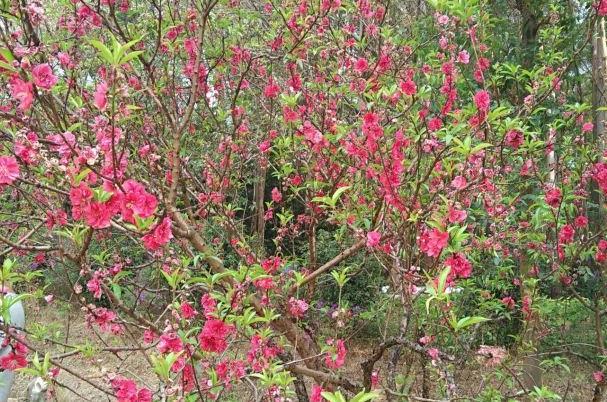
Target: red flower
{"points": [[433, 241], [100, 96], [43, 76], [459, 183], [598, 376], [482, 100], [361, 65], [271, 91], [460, 266], [508, 302], [159, 236], [373, 239], [169, 342], [408, 87], [435, 124], [126, 391], [23, 92], [271, 265], [136, 201], [9, 169], [187, 311], [98, 215], [337, 358], [297, 307], [13, 361], [213, 336], [276, 195], [514, 138], [553, 197], [457, 215], [316, 395], [580, 221], [566, 234]]}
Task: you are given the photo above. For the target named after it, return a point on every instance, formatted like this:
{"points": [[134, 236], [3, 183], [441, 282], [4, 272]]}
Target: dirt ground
{"points": [[576, 385], [130, 364]]}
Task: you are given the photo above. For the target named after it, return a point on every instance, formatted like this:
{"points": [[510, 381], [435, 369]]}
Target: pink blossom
{"points": [[271, 91], [408, 87], [373, 238], [361, 65], [435, 124], [297, 307], [587, 127], [271, 265], [433, 353], [459, 183], [276, 195], [100, 96], [9, 170], [94, 286], [514, 139], [433, 241], [337, 358], [463, 57], [187, 311], [159, 236], [23, 92], [43, 76], [460, 266], [580, 221], [566, 234], [213, 336], [169, 342], [98, 215], [508, 302], [126, 391], [493, 355], [598, 376], [457, 215], [553, 197], [136, 201], [316, 395], [13, 361], [482, 100]]}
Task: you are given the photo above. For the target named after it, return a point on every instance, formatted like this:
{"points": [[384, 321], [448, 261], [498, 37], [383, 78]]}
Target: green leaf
{"points": [[106, 54], [338, 194], [364, 396], [130, 56], [81, 176], [468, 321], [442, 280]]}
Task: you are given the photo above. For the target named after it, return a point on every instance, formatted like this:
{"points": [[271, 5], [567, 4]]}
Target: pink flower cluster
{"points": [[133, 202], [337, 357], [460, 266], [297, 307], [126, 390], [261, 352], [9, 170], [16, 358], [432, 242], [213, 336]]}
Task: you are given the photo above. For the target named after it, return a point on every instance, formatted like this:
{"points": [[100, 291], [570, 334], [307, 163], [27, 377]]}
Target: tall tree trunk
{"points": [[530, 24], [531, 371]]}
